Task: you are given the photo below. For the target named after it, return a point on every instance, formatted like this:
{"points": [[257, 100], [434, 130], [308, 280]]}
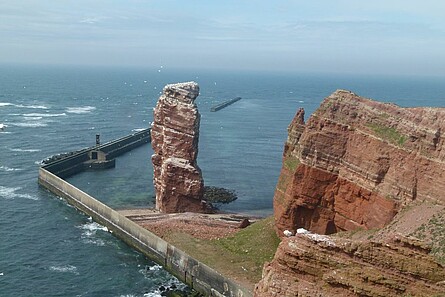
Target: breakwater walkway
{"points": [[224, 104], [194, 273], [100, 156]]}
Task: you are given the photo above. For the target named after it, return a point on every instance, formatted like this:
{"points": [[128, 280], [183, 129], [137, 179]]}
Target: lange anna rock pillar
{"points": [[174, 137]]}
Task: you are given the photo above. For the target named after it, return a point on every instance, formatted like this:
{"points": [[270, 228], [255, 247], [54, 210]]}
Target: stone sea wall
{"points": [[192, 272]]}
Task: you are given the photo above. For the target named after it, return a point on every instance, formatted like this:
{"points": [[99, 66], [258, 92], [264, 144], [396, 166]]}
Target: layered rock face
{"points": [[174, 137], [320, 265], [356, 162]]}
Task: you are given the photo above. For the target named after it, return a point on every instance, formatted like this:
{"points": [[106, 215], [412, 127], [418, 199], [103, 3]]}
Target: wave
{"points": [[80, 109], [10, 193], [98, 242], [138, 129], [39, 162], [156, 293], [6, 168], [64, 268], [33, 118], [89, 232], [93, 227], [19, 150], [23, 106], [31, 106], [45, 115], [30, 124]]}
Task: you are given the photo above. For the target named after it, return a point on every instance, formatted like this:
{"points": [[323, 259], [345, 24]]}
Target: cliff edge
{"points": [[356, 163], [375, 171], [320, 265]]}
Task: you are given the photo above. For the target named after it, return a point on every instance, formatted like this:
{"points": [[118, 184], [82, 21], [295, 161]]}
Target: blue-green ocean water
{"points": [[47, 248]]}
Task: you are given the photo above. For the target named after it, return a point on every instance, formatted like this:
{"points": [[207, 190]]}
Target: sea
{"points": [[48, 248]]}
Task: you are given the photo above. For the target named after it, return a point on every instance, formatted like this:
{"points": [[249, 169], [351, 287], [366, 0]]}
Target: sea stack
{"points": [[177, 178]]}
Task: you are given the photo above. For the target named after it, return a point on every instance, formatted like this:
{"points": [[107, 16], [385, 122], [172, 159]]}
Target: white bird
{"points": [[288, 233], [2, 126]]}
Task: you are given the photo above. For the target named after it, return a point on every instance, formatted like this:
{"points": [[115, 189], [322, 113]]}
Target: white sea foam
{"points": [[98, 242], [31, 106], [10, 193], [24, 150], [93, 226], [89, 232], [6, 168], [45, 115], [80, 109], [33, 118], [64, 268], [30, 124], [138, 129], [39, 162], [23, 106], [155, 267], [156, 293]]}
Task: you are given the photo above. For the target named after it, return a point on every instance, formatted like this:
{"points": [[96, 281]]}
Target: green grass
{"points": [[434, 230], [240, 257], [291, 163], [388, 133], [258, 242]]}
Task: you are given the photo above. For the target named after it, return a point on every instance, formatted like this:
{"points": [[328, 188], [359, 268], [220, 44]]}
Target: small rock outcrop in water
{"points": [[356, 163], [174, 136], [219, 195]]}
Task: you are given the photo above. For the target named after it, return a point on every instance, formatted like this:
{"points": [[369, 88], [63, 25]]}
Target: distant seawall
{"points": [[197, 275], [224, 104]]}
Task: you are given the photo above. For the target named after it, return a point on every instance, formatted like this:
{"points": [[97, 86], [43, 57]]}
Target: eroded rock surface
{"points": [[174, 137], [357, 162], [320, 265]]}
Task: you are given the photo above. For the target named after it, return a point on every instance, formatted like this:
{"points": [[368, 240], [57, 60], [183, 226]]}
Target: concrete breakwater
{"points": [[224, 104], [197, 275], [100, 156]]}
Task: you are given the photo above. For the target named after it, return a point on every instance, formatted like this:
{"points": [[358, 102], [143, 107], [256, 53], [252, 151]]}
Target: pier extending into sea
{"points": [[194, 273], [224, 104]]}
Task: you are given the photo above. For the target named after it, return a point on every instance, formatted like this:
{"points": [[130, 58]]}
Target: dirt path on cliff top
{"points": [[216, 240], [410, 219]]}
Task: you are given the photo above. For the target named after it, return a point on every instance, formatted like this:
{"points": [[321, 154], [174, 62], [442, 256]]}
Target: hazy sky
{"points": [[379, 36]]}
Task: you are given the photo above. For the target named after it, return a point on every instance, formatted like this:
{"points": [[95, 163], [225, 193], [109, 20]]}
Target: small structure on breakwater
{"points": [[100, 156], [224, 104]]}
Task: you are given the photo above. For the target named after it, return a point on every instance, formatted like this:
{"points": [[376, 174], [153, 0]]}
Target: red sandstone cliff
{"points": [[174, 137], [360, 164], [356, 162], [320, 265]]}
